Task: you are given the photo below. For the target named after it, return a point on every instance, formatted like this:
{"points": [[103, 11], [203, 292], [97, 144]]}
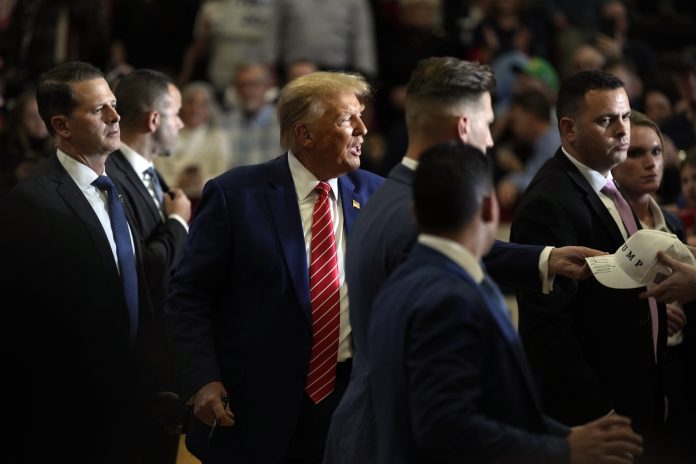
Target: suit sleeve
{"points": [[446, 353], [194, 288], [514, 266], [547, 321]]}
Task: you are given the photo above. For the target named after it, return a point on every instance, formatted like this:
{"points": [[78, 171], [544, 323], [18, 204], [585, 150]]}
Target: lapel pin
{"points": [[356, 205]]}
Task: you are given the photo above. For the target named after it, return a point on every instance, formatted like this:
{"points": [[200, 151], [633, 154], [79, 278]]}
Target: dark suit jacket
{"points": [[449, 376], [589, 346], [381, 240], [240, 307], [164, 239], [79, 387]]}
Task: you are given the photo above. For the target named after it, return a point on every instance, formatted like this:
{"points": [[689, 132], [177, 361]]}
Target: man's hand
{"points": [[609, 439], [679, 286], [207, 405], [569, 261], [176, 202], [676, 319]]}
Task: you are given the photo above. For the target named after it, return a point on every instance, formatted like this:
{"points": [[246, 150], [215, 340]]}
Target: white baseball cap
{"points": [[635, 263]]}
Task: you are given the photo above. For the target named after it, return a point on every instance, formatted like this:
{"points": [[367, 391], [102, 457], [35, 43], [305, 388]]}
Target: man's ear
{"points": [[303, 135], [566, 127], [463, 128], [61, 125], [490, 211], [153, 120]]}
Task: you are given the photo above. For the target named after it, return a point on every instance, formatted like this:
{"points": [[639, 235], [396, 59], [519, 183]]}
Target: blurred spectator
{"points": [[681, 127], [251, 124], [531, 125], [334, 34], [517, 73], [586, 57], [24, 141], [228, 33], [40, 34], [625, 70], [151, 34], [687, 204], [299, 68], [418, 31], [509, 26], [202, 151], [615, 41], [657, 105], [460, 20]]}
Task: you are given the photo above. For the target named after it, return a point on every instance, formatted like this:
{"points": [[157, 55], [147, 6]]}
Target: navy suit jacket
{"points": [[448, 374], [240, 310], [380, 241], [590, 346], [68, 330]]}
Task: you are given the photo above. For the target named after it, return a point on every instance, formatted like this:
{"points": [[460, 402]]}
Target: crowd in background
{"points": [[231, 60], [230, 57]]}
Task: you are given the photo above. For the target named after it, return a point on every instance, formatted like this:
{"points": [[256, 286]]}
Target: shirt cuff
{"points": [[546, 279], [176, 217]]}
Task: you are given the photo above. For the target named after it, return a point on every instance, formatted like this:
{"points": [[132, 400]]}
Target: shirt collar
{"points": [[660, 223], [595, 178], [409, 163], [305, 182], [135, 159], [456, 253], [82, 174]]}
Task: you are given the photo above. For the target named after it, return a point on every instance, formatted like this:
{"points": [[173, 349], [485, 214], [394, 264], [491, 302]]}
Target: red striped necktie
{"points": [[325, 299]]}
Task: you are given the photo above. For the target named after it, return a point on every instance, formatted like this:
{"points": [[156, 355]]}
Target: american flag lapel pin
{"points": [[356, 205]]}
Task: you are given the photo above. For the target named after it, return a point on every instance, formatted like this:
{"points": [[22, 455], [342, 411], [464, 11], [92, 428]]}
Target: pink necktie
{"points": [[325, 299], [629, 221]]}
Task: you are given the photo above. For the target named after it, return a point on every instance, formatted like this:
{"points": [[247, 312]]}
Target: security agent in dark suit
{"points": [[80, 335], [240, 306], [446, 99], [449, 376], [590, 347], [149, 105]]}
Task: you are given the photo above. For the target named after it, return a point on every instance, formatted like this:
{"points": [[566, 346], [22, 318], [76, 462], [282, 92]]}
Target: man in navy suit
{"points": [[149, 104], [449, 375], [446, 99], [240, 305]]}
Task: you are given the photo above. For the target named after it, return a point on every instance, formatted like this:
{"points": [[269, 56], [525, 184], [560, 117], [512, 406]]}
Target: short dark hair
{"points": [[573, 90], [439, 86], [441, 80], [54, 92], [141, 91], [449, 185]]}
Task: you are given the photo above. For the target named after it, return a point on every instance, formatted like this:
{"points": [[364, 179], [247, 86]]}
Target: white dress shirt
{"points": [[83, 176], [305, 183]]}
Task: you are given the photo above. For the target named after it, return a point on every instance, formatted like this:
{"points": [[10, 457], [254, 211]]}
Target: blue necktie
{"points": [[156, 186], [124, 250]]}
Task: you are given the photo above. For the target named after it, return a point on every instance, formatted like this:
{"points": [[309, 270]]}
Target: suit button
{"points": [[643, 321]]}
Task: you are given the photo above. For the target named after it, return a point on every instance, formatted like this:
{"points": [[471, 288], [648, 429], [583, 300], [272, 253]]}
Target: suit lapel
{"points": [[282, 201], [75, 201], [136, 184], [350, 202], [401, 174], [592, 198]]}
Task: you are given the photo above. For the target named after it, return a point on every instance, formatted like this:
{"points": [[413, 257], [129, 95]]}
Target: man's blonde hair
{"points": [[302, 100]]}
